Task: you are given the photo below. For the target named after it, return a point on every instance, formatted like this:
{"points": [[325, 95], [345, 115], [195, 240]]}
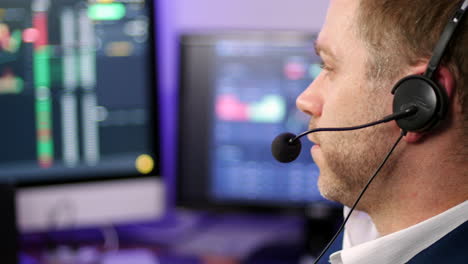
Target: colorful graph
{"points": [[10, 83], [270, 109], [9, 41], [41, 66], [294, 70]]}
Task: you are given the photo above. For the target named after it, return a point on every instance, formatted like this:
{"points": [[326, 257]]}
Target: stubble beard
{"points": [[350, 160]]}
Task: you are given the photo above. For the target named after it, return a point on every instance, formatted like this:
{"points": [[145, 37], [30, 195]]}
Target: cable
{"points": [[403, 133]]}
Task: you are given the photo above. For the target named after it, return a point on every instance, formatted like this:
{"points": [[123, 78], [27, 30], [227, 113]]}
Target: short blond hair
{"points": [[400, 33]]}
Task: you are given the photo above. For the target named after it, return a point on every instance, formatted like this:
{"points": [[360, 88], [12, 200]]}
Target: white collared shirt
{"points": [[361, 244]]}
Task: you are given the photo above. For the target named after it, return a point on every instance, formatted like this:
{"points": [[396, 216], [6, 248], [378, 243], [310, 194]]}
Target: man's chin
{"points": [[326, 188], [331, 196], [333, 190]]}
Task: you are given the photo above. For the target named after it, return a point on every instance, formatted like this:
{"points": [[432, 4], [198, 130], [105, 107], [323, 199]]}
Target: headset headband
{"points": [[445, 38]]}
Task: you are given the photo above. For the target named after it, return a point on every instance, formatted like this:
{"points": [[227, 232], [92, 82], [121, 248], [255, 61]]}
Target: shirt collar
{"points": [[359, 229], [401, 246]]}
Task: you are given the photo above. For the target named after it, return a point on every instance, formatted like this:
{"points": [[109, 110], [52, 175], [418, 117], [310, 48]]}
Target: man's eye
{"points": [[323, 66]]}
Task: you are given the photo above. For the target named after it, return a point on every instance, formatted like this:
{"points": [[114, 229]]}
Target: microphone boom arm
{"points": [[405, 113]]}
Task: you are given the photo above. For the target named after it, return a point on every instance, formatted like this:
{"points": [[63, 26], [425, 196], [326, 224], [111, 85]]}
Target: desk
{"points": [[186, 238]]}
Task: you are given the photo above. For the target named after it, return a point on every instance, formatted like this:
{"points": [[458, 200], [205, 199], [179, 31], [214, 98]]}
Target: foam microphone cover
{"points": [[283, 150]]}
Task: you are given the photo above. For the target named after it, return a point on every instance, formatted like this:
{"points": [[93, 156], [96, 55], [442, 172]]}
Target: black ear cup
{"points": [[426, 95]]}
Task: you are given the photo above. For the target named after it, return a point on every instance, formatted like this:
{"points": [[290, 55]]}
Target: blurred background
{"points": [[139, 131]]}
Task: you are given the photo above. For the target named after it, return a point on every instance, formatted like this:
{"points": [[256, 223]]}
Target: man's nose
{"points": [[310, 101]]}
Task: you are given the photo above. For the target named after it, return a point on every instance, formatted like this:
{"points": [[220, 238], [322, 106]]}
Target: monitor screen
{"points": [[238, 93], [77, 90]]}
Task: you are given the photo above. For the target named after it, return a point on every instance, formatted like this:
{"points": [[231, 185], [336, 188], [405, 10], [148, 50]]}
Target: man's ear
{"points": [[446, 80]]}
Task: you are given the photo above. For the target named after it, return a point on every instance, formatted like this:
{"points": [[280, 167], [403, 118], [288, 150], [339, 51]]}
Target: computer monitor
{"points": [[78, 103], [237, 93]]}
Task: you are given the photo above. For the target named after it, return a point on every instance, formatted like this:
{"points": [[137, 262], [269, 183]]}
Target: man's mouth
{"points": [[312, 137]]}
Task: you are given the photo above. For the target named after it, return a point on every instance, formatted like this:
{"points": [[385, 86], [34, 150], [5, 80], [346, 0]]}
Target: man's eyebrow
{"points": [[319, 49]]}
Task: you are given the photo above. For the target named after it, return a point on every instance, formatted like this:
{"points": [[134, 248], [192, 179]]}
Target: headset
{"points": [[419, 105], [422, 91]]}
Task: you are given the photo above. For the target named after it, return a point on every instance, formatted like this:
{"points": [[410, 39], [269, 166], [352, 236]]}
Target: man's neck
{"points": [[417, 192]]}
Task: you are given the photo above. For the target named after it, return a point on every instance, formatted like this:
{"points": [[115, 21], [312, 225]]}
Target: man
{"points": [[417, 205]]}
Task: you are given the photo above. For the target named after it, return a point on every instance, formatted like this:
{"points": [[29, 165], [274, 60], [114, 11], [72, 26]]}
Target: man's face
{"points": [[343, 96]]}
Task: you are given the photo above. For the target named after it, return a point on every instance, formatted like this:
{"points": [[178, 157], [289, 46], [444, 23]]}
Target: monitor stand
{"points": [[8, 230]]}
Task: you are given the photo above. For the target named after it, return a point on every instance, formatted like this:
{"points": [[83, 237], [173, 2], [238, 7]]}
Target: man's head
{"points": [[366, 47], [400, 33]]}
